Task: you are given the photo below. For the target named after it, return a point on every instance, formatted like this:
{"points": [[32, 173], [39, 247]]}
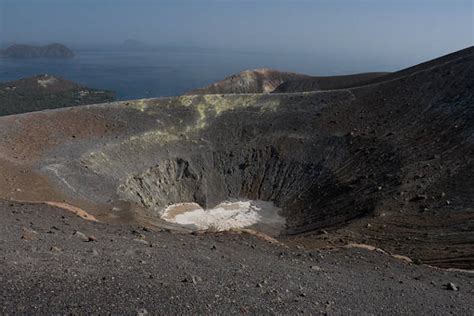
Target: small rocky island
{"points": [[28, 51]]}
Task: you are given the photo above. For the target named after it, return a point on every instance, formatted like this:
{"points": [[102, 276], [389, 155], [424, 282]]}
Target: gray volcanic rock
{"points": [[46, 92], [27, 51]]}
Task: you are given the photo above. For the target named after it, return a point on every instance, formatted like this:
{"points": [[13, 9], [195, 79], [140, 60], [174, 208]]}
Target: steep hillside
{"points": [[424, 66], [46, 92], [273, 81], [327, 83]]}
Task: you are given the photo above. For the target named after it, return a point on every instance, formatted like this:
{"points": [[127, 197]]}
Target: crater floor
{"points": [[259, 215]]}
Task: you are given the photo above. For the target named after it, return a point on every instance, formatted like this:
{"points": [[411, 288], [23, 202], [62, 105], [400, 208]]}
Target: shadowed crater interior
{"points": [[316, 180]]}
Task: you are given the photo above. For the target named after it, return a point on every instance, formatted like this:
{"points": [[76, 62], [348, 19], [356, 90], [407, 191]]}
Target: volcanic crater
{"points": [[376, 162]]}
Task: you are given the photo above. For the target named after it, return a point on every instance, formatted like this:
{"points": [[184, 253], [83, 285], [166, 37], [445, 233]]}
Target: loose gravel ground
{"points": [[55, 262]]}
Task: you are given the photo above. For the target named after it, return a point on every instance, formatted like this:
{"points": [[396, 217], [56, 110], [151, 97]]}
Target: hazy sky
{"points": [[380, 28]]}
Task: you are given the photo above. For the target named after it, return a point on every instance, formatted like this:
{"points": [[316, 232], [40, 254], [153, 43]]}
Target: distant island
{"points": [[47, 92], [28, 51]]}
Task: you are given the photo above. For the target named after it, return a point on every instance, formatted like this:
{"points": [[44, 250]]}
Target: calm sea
{"points": [[165, 72]]}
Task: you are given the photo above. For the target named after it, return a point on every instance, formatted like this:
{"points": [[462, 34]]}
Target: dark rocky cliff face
{"points": [[28, 51]]}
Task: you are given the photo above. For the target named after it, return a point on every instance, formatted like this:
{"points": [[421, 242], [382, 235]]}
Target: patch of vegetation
{"points": [[47, 92]]}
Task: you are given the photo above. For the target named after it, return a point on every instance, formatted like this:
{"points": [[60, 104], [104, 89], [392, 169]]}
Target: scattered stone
{"points": [[141, 241], [55, 249], [423, 209], [419, 197], [193, 279], [139, 235], [452, 287], [142, 312], [81, 236], [29, 234], [315, 268], [417, 261]]}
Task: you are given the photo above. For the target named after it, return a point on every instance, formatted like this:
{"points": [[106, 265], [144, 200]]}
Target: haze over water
{"points": [[168, 72], [198, 42]]}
